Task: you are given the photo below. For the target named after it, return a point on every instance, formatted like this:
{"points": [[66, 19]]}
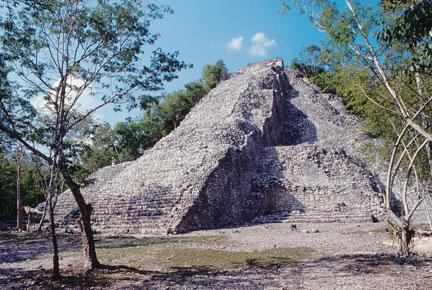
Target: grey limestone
{"points": [[263, 145]]}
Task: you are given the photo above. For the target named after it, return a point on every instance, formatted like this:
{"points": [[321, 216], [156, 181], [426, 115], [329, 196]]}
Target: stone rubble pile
{"points": [[263, 145], [313, 183], [322, 174], [198, 176]]}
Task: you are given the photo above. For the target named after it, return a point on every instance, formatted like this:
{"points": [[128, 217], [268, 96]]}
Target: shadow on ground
{"points": [[279, 276], [250, 276], [17, 247]]}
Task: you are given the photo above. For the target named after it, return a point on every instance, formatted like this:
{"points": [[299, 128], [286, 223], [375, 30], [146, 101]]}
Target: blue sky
{"points": [[201, 30]]}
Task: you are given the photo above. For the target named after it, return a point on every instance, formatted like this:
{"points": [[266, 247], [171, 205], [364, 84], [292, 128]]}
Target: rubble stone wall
{"points": [[263, 145], [200, 175]]}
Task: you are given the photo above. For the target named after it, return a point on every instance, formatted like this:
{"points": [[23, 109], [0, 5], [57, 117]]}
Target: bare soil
{"points": [[265, 256]]}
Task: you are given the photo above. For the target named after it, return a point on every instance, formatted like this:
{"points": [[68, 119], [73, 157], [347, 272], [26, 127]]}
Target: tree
{"points": [[67, 51], [31, 192], [19, 159], [394, 61], [7, 187], [213, 74]]}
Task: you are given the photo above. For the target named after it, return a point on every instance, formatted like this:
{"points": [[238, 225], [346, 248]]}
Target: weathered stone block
{"points": [[263, 142]]}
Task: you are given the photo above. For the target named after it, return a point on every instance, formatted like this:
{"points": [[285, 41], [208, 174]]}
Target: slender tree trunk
{"points": [[84, 223], [89, 249], [56, 266], [426, 205], [44, 184], [29, 222], [18, 197], [18, 190], [429, 152]]}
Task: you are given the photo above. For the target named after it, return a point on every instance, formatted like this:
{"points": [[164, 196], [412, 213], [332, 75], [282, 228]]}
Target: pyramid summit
{"points": [[263, 145]]}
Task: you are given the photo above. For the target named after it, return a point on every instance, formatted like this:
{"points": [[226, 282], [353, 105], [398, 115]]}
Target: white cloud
{"points": [[260, 44], [85, 102], [235, 43], [39, 102]]}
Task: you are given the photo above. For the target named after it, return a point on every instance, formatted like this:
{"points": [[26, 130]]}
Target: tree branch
{"points": [[15, 135]]}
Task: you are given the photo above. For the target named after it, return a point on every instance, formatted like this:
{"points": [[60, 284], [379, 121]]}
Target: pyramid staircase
{"points": [[309, 183], [263, 145], [319, 174]]}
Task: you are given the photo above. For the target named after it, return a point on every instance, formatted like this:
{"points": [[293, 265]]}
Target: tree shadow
{"points": [[360, 264], [16, 247], [272, 262], [42, 279], [104, 276], [259, 276], [253, 275], [181, 275], [123, 268]]}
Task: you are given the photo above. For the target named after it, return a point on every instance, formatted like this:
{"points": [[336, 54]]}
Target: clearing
{"points": [[313, 256]]}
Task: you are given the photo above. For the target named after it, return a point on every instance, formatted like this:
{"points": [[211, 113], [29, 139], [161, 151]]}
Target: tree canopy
{"points": [[62, 52], [378, 58]]}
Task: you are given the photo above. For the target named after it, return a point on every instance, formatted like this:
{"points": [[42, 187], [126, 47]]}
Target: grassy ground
{"points": [[173, 257], [190, 251], [339, 256], [147, 259]]}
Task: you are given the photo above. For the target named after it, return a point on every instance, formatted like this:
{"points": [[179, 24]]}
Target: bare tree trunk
{"points": [[29, 222], [18, 197], [84, 223], [428, 148], [405, 234], [429, 156], [425, 121], [56, 266], [18, 189], [89, 249], [426, 207], [44, 184]]}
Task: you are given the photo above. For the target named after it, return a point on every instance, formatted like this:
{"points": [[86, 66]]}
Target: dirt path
{"points": [[313, 256]]}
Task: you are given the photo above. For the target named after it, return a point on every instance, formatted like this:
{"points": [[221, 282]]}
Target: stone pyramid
{"points": [[263, 145]]}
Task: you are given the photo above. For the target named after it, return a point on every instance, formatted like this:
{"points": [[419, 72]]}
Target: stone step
{"points": [[318, 216], [186, 179], [315, 183], [124, 229], [310, 219]]}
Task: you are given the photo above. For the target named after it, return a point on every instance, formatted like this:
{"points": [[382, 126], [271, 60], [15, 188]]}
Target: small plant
{"points": [[396, 236]]}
